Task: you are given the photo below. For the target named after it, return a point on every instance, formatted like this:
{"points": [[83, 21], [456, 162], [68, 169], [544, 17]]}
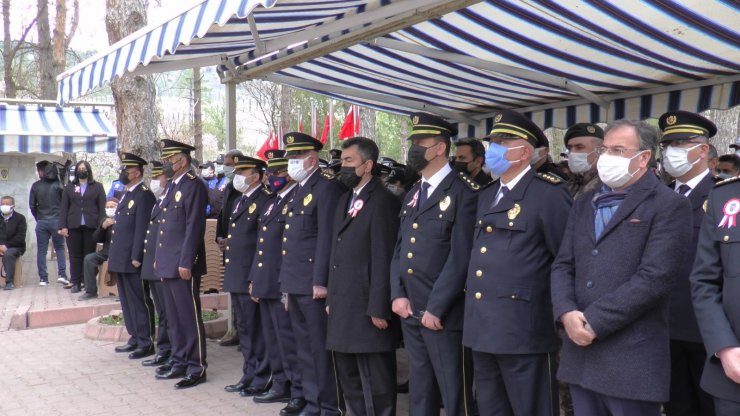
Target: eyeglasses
{"points": [[614, 151], [678, 143]]}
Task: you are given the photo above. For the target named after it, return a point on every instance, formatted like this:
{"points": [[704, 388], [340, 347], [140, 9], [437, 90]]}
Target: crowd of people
{"points": [[604, 285]]}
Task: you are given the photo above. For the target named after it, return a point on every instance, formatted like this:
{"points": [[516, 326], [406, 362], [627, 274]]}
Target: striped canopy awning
{"points": [[38, 129], [559, 63]]}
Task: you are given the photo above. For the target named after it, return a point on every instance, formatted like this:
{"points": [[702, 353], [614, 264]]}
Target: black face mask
{"points": [[348, 177], [168, 170], [461, 167], [416, 159], [82, 174], [123, 177]]}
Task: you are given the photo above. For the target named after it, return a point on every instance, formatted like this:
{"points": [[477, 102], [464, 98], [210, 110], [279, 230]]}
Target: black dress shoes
{"points": [[252, 391], [141, 353], [190, 380], [272, 396], [295, 407], [76, 289], [174, 372], [403, 387], [158, 360], [125, 348], [233, 388]]}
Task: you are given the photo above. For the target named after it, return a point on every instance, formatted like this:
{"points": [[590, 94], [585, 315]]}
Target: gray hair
{"points": [[713, 154], [646, 134]]}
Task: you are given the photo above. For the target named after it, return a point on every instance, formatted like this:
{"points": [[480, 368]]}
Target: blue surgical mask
{"points": [[496, 160]]}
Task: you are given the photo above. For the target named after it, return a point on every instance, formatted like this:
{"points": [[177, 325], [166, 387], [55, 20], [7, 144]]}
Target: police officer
{"points": [[520, 221], [305, 269], [685, 152], [126, 253], [265, 289], [583, 141], [715, 289], [240, 246], [164, 347], [181, 263], [428, 270]]}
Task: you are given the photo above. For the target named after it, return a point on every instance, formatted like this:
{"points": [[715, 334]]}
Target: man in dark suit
{"points": [[470, 158], [125, 254], [685, 150], [241, 243], [618, 262], [508, 314], [265, 289], [305, 269], [12, 238], [148, 275], [428, 270], [180, 262], [362, 332], [715, 285]]}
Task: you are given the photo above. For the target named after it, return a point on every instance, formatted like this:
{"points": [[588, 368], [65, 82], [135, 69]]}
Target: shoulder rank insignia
{"points": [[266, 191], [548, 177], [705, 206], [726, 181], [191, 176], [130, 204], [469, 181], [327, 175], [143, 187]]}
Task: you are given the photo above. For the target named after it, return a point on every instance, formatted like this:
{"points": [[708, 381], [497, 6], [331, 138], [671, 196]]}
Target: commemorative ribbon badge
{"points": [[414, 200], [356, 207], [731, 209]]}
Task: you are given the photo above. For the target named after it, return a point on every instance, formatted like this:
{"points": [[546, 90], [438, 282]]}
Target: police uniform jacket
{"points": [[129, 230], [150, 243], [621, 282], [268, 256], [181, 231], [242, 241], [307, 234], [359, 288], [715, 283], [507, 306], [682, 319], [432, 250], [75, 204]]}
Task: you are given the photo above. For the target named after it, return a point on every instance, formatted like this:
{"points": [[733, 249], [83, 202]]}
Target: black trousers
{"points": [[188, 338], [282, 352], [687, 397], [308, 320], [368, 382], [137, 308], [80, 243], [92, 267], [589, 403], [438, 371], [516, 384], [9, 259], [163, 337], [255, 369]]}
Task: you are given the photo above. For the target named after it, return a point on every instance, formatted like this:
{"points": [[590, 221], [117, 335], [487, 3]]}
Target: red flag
{"points": [[270, 143], [300, 122], [350, 125], [325, 131]]}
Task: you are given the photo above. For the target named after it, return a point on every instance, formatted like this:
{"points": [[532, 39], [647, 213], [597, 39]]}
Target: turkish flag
{"points": [[270, 143], [325, 130], [351, 125]]}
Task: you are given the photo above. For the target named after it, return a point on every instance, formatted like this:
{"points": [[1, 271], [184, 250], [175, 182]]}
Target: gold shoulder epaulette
{"points": [[327, 175], [549, 178], [144, 188], [469, 181], [266, 191], [191, 176], [726, 181]]}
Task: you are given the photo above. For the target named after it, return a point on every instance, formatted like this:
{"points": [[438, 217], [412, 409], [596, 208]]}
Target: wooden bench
{"points": [[18, 279], [103, 275]]}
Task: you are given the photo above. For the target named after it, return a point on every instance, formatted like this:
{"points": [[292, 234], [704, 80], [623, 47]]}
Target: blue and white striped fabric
{"points": [[644, 58], [37, 129]]}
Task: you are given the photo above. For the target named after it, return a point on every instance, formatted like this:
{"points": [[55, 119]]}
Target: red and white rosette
{"points": [[731, 209], [414, 200], [356, 207]]}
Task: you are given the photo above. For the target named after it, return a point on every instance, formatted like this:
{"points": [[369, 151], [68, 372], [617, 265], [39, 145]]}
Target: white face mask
{"points": [[240, 183], [6, 209], [110, 212], [578, 162], [676, 160], [614, 171], [296, 169], [156, 188]]}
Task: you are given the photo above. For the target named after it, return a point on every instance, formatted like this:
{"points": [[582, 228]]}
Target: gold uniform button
{"points": [[163, 220], [259, 264], [284, 252], [113, 232], [483, 250], [227, 260], [287, 226], [410, 255], [513, 296], [413, 240], [726, 238], [151, 222], [414, 226], [259, 252], [489, 229], [479, 273], [290, 214], [144, 250], [262, 240], [478, 295], [147, 231], [229, 236], [233, 224], [511, 224], [284, 239], [410, 271], [160, 244], [145, 241], [264, 228], [161, 232], [227, 248]]}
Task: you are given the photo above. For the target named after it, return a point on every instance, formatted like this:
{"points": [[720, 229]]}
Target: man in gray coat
{"points": [[617, 264]]}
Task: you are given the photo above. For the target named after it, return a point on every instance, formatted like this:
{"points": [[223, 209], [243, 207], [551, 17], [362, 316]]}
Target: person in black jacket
{"points": [[93, 260], [12, 238], [44, 200], [82, 210]]}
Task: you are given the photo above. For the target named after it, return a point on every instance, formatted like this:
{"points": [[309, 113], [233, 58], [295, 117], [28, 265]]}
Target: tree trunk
{"points": [[47, 74], [134, 96], [10, 87], [367, 121], [197, 116], [286, 105]]}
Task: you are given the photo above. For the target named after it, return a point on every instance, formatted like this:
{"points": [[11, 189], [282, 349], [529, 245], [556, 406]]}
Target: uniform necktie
{"points": [[423, 193], [684, 189], [501, 194]]}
